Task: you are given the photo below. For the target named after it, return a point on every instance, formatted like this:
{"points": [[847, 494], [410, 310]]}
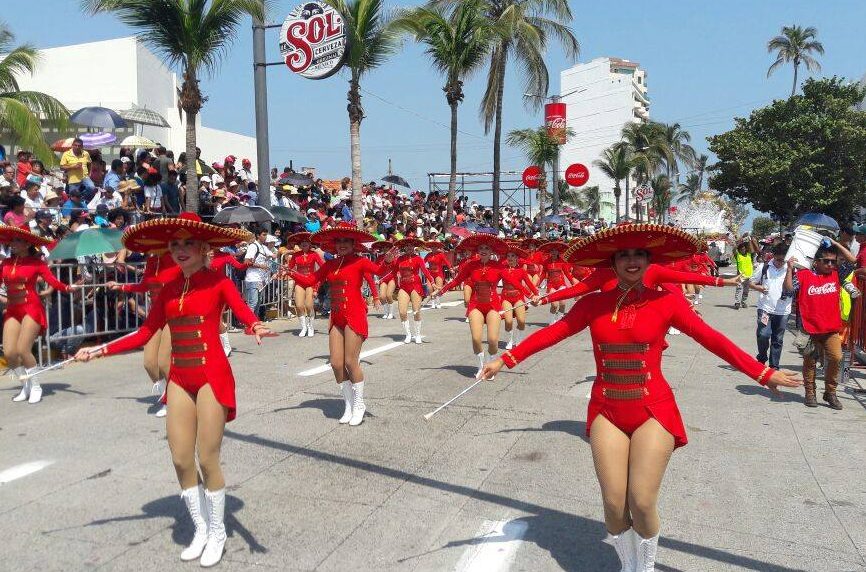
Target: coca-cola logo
{"points": [[826, 288], [313, 40]]}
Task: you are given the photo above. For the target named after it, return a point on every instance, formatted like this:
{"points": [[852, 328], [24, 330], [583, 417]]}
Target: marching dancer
{"points": [[219, 260], [24, 317], [557, 272], [387, 281], [633, 421], [305, 262], [409, 289], [436, 263], [517, 286], [534, 260], [348, 328], [482, 275], [159, 269], [201, 387]]}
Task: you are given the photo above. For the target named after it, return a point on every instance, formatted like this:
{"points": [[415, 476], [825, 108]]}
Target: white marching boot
{"points": [[194, 499], [510, 343], [358, 407], [216, 529], [625, 544], [227, 345], [161, 386], [393, 311], [552, 319], [24, 394], [35, 391], [417, 331], [481, 361], [346, 391], [646, 553], [406, 328], [311, 329], [303, 331]]}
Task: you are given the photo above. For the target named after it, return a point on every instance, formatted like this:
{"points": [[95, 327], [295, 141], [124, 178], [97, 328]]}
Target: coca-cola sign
{"points": [[554, 120], [823, 289], [532, 176], [313, 40]]}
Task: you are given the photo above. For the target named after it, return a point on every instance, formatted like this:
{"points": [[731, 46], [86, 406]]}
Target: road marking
{"points": [[494, 547], [327, 367], [18, 471]]}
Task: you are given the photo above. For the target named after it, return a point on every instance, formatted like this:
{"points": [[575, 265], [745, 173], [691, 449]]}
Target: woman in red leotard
{"points": [[557, 272], [348, 328], [534, 260], [201, 386], [304, 261], [633, 421], [436, 263], [24, 317], [387, 281], [482, 275], [409, 266], [159, 269], [517, 286], [219, 261]]}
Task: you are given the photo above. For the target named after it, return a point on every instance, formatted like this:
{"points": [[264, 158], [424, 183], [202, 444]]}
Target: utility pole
{"points": [[260, 83], [556, 198]]}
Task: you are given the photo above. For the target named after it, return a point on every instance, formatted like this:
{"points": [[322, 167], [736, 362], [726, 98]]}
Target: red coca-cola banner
{"points": [[554, 120]]}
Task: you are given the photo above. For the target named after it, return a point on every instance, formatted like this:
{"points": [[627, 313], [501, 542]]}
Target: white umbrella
{"points": [[137, 141]]}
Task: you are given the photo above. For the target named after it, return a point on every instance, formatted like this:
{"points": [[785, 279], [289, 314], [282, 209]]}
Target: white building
{"points": [[601, 96], [121, 74]]}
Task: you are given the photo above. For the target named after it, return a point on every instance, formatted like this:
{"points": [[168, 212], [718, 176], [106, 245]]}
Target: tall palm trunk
{"points": [[497, 138], [452, 179], [616, 195], [542, 192], [356, 114], [796, 69], [627, 185], [191, 100]]}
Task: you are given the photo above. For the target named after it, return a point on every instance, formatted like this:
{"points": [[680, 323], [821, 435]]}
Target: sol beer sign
{"points": [[532, 177], [313, 40], [577, 175]]}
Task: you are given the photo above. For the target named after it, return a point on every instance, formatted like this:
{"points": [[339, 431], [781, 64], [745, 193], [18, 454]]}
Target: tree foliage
{"points": [[763, 226], [807, 153]]}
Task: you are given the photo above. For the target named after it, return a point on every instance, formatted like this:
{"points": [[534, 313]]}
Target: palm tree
{"points": [[677, 140], [540, 149], [661, 200], [193, 35], [372, 38], [20, 111], [588, 199], [526, 28], [689, 191], [616, 164], [457, 44], [700, 166], [649, 150], [796, 45]]}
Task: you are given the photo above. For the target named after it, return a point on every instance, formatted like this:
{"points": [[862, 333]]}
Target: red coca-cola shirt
{"points": [[818, 301]]}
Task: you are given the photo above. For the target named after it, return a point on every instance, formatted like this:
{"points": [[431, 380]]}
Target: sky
{"points": [[706, 63]]}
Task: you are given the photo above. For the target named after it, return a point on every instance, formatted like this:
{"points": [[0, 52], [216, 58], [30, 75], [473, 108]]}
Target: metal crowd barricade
{"points": [[854, 356], [94, 311]]}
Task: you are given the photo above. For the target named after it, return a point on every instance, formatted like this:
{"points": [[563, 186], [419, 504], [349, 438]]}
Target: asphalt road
{"points": [[502, 480]]}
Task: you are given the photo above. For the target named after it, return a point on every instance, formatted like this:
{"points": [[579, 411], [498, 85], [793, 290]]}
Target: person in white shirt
{"points": [[774, 305], [259, 257], [31, 195], [108, 197]]}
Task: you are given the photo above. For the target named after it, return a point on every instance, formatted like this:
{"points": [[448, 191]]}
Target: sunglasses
{"points": [[828, 261]]}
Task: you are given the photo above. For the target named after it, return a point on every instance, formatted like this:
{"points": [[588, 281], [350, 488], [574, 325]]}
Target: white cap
{"points": [[205, 179], [271, 238]]}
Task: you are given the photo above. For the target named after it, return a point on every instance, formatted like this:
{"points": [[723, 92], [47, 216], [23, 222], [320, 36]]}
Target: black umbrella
{"points": [[101, 117], [243, 214], [295, 179], [287, 214], [396, 180]]}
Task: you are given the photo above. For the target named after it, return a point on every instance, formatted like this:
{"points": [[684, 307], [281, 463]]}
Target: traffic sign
{"points": [[577, 175], [532, 176]]}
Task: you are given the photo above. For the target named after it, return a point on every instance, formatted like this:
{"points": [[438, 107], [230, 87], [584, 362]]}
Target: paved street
{"points": [[502, 480]]}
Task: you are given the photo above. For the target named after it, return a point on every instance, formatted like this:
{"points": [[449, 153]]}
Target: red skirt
{"points": [[628, 416], [355, 321], [217, 374], [35, 310], [484, 307]]}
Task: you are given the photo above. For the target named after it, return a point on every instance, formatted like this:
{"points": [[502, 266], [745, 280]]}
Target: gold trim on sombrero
{"points": [[155, 234], [413, 242], [664, 243], [8, 233], [326, 237]]}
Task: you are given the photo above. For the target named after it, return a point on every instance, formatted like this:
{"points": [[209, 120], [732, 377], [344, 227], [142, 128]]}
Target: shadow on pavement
{"points": [[330, 408], [182, 529], [49, 389], [787, 393], [573, 541], [567, 426], [464, 370]]}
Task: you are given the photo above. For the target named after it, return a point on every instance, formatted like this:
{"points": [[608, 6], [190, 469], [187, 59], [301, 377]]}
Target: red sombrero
{"points": [[553, 245], [10, 233], [411, 241], [434, 244], [381, 246], [326, 237], [515, 248], [471, 243], [532, 242], [298, 238], [664, 243], [155, 234]]}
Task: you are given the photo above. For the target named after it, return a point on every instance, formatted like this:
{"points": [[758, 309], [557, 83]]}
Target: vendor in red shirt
{"points": [[818, 303]]}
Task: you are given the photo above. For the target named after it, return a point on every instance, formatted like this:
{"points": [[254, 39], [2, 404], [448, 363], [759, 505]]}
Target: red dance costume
{"points": [[605, 279], [556, 272], [436, 264], [305, 262], [483, 279], [408, 266], [388, 274], [20, 276], [698, 263], [629, 387], [516, 284], [534, 262], [158, 271], [222, 259], [345, 274], [192, 308]]}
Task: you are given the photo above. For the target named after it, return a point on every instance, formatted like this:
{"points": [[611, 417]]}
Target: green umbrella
{"points": [[87, 242], [287, 214]]}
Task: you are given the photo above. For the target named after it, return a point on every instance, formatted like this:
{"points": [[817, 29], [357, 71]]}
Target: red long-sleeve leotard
{"points": [[534, 262], [221, 259], [158, 271], [408, 266], [629, 386], [516, 284], [388, 274], [305, 262], [605, 279], [192, 309], [557, 273], [437, 263], [345, 274], [482, 278], [20, 276]]}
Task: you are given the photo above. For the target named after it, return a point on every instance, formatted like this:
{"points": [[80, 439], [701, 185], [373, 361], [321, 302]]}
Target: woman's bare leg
{"points": [[336, 347], [300, 300], [476, 330], [352, 343], [11, 329], [493, 320], [164, 354], [181, 426], [610, 455], [27, 335], [415, 298], [650, 451], [403, 304], [212, 417]]}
